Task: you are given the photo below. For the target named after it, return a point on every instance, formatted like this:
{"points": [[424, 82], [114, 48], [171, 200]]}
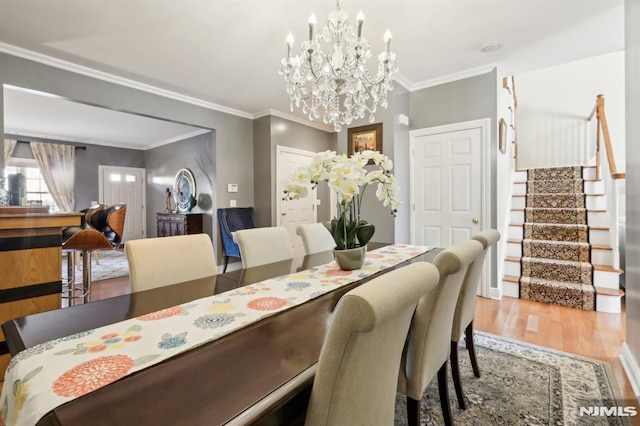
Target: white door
{"points": [[292, 213], [448, 184], [125, 185]]}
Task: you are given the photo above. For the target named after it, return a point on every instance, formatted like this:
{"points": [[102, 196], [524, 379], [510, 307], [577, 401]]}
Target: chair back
{"points": [[355, 383], [158, 262], [428, 346], [466, 306], [231, 220], [85, 221], [316, 238], [110, 221], [259, 246]]}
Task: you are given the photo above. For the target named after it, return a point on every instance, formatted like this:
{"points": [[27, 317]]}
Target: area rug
{"points": [[521, 384], [108, 264]]}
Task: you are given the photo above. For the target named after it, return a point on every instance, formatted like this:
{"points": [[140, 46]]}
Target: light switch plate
{"points": [[232, 187], [232, 203]]}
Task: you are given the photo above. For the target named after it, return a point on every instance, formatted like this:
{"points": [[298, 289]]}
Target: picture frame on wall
{"points": [[364, 138]]}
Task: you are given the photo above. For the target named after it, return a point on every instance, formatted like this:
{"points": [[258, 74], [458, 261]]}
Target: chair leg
{"points": [[413, 412], [444, 395], [226, 262], [468, 332], [86, 276], [455, 374]]}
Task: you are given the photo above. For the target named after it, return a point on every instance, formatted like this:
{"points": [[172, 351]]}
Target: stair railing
{"points": [[612, 178]]}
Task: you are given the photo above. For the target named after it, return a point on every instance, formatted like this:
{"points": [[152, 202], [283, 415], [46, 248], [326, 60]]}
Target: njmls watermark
{"points": [[607, 408]]}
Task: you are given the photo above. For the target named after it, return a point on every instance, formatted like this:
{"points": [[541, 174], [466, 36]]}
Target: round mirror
{"points": [[184, 190]]}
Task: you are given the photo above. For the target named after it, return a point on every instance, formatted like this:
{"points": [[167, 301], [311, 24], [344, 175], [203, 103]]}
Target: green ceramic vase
{"points": [[350, 259]]}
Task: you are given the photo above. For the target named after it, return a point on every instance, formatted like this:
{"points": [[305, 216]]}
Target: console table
{"points": [[170, 224]]}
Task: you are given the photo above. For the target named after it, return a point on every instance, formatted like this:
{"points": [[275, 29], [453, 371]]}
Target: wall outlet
{"points": [[232, 203], [232, 187]]}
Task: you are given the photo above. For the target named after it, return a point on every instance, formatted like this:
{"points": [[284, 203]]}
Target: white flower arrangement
{"points": [[349, 178]]}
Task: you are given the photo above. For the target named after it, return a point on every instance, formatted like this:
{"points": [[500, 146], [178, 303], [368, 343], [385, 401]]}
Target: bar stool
{"points": [[102, 230]]}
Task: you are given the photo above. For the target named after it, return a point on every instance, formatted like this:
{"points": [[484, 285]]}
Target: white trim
{"points": [[100, 75], [403, 81], [306, 122], [630, 366], [177, 138], [496, 293], [473, 72], [484, 126]]}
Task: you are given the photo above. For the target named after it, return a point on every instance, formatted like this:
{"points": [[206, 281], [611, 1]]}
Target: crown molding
{"points": [[402, 80], [315, 124], [36, 135], [176, 139], [472, 72], [110, 78]]}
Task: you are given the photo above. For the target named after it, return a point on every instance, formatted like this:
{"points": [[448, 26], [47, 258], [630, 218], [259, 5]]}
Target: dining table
{"points": [[259, 374]]}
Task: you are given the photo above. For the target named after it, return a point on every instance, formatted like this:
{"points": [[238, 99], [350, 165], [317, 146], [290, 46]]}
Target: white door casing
{"points": [[125, 185], [448, 180], [292, 213]]}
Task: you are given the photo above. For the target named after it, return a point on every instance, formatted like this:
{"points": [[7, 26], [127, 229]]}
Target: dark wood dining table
{"points": [[259, 374]]}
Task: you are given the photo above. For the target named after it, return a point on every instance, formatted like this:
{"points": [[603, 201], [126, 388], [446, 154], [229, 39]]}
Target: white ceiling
{"points": [[226, 52]]}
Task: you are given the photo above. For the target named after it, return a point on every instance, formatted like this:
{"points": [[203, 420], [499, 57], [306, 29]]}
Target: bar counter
{"points": [[30, 264]]}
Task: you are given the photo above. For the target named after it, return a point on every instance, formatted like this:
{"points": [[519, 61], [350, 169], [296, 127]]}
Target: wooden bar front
{"points": [[30, 265]]}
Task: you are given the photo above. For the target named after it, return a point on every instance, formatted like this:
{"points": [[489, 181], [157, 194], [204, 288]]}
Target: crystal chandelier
{"points": [[330, 73]]}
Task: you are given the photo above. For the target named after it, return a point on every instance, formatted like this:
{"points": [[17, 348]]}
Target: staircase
{"points": [[558, 251]]}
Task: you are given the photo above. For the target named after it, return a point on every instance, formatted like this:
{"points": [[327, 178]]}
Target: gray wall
{"points": [[632, 270], [233, 134], [269, 132], [86, 187], [162, 164]]}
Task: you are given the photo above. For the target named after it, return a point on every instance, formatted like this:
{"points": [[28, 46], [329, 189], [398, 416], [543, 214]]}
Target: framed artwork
{"points": [[364, 138], [502, 136], [184, 190]]}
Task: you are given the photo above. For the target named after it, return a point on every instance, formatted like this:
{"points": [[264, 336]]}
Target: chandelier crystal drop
{"points": [[330, 78]]}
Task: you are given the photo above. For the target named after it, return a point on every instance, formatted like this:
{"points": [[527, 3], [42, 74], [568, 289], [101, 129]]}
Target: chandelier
{"points": [[330, 78]]}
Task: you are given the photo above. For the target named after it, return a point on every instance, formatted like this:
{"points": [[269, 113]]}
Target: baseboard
{"points": [[632, 369], [495, 293]]}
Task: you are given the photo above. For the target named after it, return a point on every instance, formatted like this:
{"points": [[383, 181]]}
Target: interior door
{"points": [[447, 193], [125, 185], [292, 213]]}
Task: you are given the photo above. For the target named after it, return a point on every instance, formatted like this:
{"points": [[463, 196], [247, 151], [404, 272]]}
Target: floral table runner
{"points": [[47, 375]]}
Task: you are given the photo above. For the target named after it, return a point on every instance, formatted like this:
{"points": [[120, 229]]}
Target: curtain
{"points": [[57, 165], [9, 146]]}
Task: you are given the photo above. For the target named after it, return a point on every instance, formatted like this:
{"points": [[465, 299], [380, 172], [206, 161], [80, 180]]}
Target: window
{"points": [[37, 191]]}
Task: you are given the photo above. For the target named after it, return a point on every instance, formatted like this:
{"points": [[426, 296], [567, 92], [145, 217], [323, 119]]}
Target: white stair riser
{"points": [[589, 173], [517, 216], [596, 202], [519, 188], [596, 187], [602, 257], [514, 249], [519, 176], [518, 202], [598, 219], [609, 304], [510, 289], [599, 236], [606, 279], [515, 232], [512, 268]]}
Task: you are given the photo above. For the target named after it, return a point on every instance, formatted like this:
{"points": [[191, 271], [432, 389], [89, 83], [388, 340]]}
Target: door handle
{"points": [[475, 220]]}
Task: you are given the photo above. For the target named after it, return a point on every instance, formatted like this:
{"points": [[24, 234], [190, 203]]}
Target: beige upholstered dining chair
{"points": [[259, 246], [465, 312], [158, 262], [316, 238], [355, 383], [427, 348]]}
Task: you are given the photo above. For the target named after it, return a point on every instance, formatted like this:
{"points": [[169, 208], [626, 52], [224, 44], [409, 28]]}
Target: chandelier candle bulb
{"points": [[290, 41], [360, 19], [312, 24], [387, 39]]}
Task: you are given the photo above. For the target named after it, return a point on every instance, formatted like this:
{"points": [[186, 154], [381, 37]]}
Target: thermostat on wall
{"points": [[232, 187]]}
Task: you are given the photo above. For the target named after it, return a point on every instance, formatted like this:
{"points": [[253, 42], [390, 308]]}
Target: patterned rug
{"points": [[110, 264], [556, 254], [521, 384]]}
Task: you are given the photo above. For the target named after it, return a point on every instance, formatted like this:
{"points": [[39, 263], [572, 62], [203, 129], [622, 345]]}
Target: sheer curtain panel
{"points": [[57, 165]]}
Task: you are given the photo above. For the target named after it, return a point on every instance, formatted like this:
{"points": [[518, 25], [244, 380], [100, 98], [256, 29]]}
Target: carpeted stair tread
{"points": [[554, 173], [562, 250], [555, 186], [570, 294], [563, 200], [555, 215], [560, 270], [556, 232]]}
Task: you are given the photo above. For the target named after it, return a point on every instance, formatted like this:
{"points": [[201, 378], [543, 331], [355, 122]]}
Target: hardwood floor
{"points": [[586, 333]]}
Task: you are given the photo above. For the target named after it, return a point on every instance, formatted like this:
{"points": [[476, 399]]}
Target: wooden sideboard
{"points": [[30, 261], [170, 224]]}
